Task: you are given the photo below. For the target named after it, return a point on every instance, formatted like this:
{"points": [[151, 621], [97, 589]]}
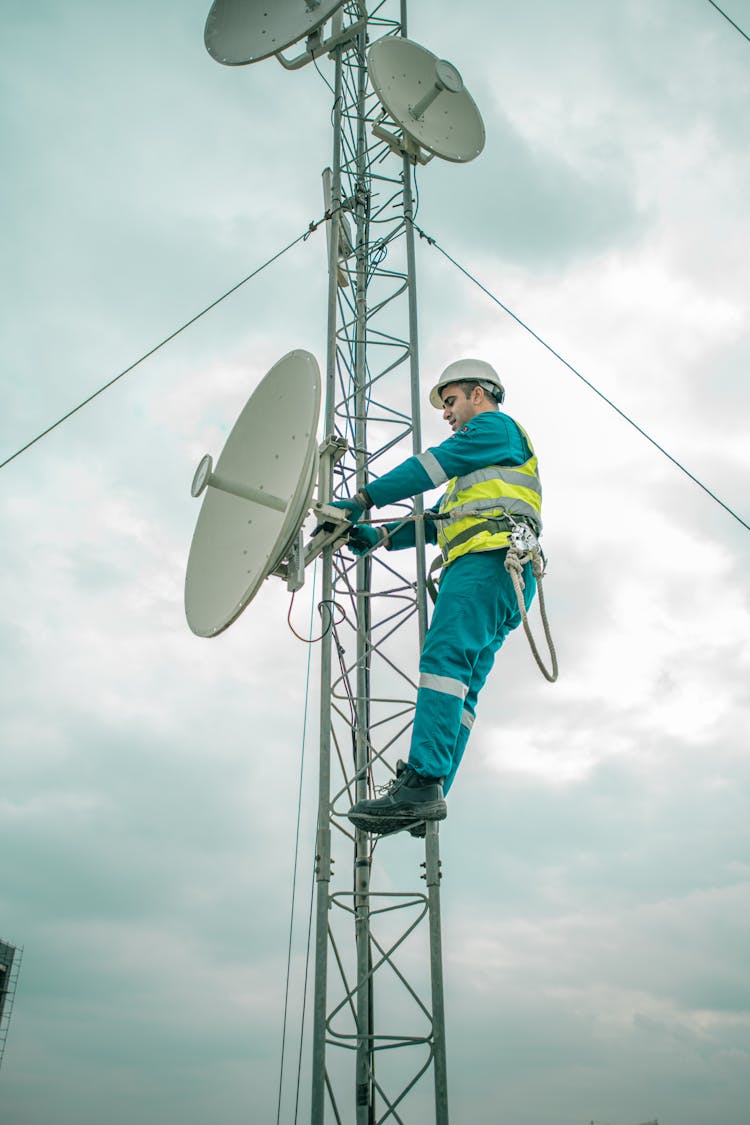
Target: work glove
{"points": [[364, 539], [354, 506]]}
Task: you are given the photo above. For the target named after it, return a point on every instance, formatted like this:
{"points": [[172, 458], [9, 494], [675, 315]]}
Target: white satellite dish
{"points": [[426, 97], [257, 497], [245, 31]]}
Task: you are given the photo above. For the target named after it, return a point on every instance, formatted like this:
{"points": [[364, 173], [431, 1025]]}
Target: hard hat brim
{"points": [[435, 399]]}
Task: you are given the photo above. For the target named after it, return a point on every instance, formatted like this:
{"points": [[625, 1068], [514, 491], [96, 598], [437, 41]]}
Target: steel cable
{"points": [[433, 242], [736, 26], [311, 228]]}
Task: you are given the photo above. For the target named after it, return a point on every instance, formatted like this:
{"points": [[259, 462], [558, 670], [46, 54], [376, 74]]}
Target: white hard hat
{"points": [[468, 370]]}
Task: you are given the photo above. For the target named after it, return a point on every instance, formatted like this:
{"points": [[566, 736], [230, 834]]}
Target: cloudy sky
{"points": [[596, 912]]}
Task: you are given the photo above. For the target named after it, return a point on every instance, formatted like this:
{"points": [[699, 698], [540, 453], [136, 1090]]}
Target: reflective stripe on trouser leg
{"points": [[440, 701], [467, 719], [467, 722], [475, 610], [480, 672]]}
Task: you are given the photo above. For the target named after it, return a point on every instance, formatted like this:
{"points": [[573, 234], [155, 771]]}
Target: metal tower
{"points": [[378, 1024], [366, 691], [10, 967], [368, 1002]]}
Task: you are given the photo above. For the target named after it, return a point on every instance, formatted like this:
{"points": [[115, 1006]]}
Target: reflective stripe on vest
{"points": [[479, 503]]}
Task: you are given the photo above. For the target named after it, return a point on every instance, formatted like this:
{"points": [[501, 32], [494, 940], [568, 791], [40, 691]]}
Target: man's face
{"points": [[457, 408]]}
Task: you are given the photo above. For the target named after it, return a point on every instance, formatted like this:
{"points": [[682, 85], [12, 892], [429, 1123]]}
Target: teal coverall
{"points": [[476, 606]]}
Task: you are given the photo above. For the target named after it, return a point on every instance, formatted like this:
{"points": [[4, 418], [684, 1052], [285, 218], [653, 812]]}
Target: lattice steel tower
{"points": [[378, 1026], [10, 967]]}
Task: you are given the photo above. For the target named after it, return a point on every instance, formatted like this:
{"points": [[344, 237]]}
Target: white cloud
{"points": [[594, 860]]}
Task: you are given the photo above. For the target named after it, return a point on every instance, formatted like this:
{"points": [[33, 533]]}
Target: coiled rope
{"points": [[514, 564]]}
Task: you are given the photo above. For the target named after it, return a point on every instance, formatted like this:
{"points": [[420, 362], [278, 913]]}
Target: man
{"points": [[492, 484]]}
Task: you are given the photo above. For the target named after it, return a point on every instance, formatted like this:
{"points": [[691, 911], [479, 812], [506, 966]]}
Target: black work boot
{"points": [[409, 800], [419, 827]]}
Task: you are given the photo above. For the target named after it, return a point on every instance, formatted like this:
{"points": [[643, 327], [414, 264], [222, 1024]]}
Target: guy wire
{"points": [[433, 242], [311, 228], [736, 26]]}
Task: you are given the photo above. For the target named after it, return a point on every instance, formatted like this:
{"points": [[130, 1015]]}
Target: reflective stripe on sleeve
{"points": [[432, 467], [445, 684], [467, 719]]}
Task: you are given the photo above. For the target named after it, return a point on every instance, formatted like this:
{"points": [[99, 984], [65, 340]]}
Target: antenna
{"points": [[398, 106], [257, 497], [246, 31], [425, 96]]}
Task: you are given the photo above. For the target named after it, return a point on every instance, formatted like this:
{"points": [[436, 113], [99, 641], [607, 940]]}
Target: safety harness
{"points": [[523, 547]]}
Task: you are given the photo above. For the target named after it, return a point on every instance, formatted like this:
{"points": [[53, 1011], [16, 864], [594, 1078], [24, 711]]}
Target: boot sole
{"points": [[417, 829], [405, 818]]}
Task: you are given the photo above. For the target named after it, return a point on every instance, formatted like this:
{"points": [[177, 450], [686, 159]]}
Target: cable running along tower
{"points": [[378, 1022]]}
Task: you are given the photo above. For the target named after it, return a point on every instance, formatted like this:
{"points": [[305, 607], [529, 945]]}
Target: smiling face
{"points": [[459, 408]]}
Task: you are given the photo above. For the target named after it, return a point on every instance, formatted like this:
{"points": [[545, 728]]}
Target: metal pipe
{"points": [[323, 840], [247, 492], [364, 1060], [432, 844], [425, 102], [416, 409], [432, 875]]}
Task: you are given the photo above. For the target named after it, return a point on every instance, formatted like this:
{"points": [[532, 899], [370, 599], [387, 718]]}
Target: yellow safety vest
{"points": [[479, 504]]}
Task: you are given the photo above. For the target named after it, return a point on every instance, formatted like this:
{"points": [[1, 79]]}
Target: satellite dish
{"points": [[245, 31], [257, 497], [426, 96]]}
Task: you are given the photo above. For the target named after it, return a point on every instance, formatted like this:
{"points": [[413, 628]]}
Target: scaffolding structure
{"points": [[378, 1014], [10, 967]]}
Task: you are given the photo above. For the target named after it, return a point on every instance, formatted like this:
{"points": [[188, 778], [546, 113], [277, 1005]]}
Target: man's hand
{"points": [[365, 539], [352, 508], [355, 506]]}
